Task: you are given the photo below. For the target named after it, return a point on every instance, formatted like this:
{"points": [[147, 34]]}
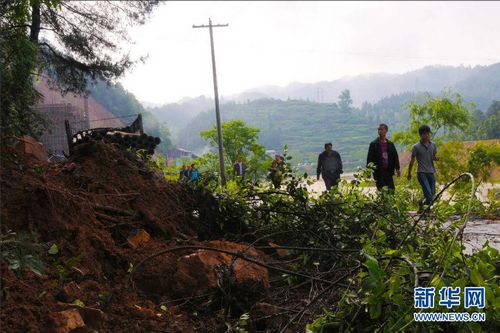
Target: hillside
{"points": [[124, 105], [480, 84], [303, 126]]}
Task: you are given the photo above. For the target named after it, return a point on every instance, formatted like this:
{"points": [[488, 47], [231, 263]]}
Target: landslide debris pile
{"points": [[120, 136], [91, 218]]}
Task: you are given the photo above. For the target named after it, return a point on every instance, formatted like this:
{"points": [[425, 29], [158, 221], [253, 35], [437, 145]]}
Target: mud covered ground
{"points": [[96, 209]]}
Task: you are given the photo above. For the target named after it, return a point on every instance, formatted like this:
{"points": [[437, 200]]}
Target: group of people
{"points": [[383, 156], [189, 172], [275, 172]]}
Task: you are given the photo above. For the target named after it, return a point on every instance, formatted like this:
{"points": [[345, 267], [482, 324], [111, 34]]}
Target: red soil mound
{"points": [[103, 209]]}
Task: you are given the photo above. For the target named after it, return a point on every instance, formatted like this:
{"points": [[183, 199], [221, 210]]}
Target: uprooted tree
{"points": [[70, 42]]}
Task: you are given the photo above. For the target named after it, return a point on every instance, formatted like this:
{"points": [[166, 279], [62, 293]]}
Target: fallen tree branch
{"points": [[115, 210], [298, 248], [318, 297], [107, 217]]}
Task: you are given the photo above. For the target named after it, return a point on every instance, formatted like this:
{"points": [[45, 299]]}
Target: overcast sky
{"points": [[277, 43]]}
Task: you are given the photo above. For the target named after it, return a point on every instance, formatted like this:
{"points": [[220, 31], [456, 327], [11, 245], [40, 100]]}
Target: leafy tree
{"points": [[447, 116], [490, 127], [345, 101], [70, 41], [239, 140]]}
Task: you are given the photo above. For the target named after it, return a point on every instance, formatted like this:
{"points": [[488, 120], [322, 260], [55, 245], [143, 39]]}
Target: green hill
{"points": [[303, 126]]}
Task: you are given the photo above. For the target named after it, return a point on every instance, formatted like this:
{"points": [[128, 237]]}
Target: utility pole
{"points": [[216, 97]]}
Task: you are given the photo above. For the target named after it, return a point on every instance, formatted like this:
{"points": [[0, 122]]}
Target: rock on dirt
{"points": [[67, 321], [30, 147], [204, 271]]}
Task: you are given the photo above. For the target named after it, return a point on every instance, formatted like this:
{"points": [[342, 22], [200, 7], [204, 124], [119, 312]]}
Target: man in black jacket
{"points": [[239, 167], [329, 166], [383, 154]]}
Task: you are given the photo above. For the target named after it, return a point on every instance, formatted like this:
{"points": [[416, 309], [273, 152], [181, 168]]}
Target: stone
{"points": [[92, 316], [69, 292], [281, 252], [140, 237], [67, 320], [29, 146], [265, 317], [197, 273]]}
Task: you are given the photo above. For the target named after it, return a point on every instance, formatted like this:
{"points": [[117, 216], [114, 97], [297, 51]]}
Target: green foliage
{"points": [[375, 230], [243, 324], [345, 101], [446, 115], [18, 61], [482, 160], [490, 127], [304, 126], [238, 140], [84, 44], [19, 252], [61, 264]]}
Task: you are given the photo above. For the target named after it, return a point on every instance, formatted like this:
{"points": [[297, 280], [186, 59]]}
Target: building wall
{"points": [[54, 138], [81, 112]]}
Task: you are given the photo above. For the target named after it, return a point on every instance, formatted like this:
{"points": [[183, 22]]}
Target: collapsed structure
{"points": [[131, 136]]}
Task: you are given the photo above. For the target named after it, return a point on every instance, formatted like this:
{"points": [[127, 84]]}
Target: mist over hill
{"points": [[480, 84]]}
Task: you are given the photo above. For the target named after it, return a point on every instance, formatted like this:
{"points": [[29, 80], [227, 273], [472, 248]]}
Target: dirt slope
{"points": [[89, 207]]}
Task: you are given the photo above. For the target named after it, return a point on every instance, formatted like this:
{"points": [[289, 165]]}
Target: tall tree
{"points": [[70, 41], [448, 117], [490, 127], [239, 140], [345, 101]]}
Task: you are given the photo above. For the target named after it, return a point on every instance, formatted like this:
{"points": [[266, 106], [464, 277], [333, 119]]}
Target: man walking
{"points": [[329, 166], [425, 154], [383, 154]]}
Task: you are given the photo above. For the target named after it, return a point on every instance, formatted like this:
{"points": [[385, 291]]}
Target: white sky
{"points": [[276, 43]]}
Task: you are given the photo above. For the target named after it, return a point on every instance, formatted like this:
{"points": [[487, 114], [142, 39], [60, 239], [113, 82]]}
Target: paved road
{"points": [[477, 232]]}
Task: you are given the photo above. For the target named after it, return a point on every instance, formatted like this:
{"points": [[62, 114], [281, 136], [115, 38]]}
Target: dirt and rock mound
{"points": [[95, 216]]}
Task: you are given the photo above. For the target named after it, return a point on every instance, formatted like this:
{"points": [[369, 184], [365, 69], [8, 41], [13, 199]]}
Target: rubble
{"points": [[66, 321], [29, 146], [104, 214]]}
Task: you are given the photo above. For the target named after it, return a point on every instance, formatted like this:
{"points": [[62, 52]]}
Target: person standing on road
{"points": [[384, 156], [276, 171], [194, 174], [239, 168], [184, 174], [425, 153], [329, 166]]}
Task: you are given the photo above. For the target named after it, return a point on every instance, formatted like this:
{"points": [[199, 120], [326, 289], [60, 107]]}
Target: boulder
{"points": [[281, 252], [138, 238], [266, 317], [29, 146], [67, 320], [200, 272]]}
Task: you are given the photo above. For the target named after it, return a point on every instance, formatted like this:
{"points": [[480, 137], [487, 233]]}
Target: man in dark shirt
{"points": [[383, 154], [329, 166], [239, 167]]}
